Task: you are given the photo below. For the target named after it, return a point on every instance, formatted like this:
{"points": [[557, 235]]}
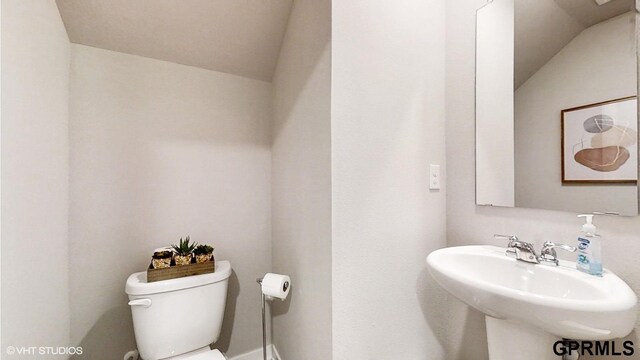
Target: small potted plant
{"points": [[203, 253], [161, 259], [184, 251]]}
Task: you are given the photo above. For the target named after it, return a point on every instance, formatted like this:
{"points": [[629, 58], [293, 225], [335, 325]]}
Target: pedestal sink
{"points": [[529, 307]]}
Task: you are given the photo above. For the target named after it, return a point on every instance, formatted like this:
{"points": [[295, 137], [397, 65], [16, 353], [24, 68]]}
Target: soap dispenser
{"points": [[589, 250]]}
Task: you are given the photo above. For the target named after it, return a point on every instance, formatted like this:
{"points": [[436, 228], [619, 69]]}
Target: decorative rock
{"points": [[616, 136], [599, 123], [182, 259], [604, 159]]}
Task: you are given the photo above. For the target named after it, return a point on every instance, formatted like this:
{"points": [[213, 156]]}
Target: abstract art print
{"points": [[600, 142]]}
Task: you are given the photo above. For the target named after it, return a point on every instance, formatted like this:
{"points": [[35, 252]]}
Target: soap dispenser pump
{"points": [[589, 250]]}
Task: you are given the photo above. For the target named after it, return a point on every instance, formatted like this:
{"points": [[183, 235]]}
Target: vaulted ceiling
{"points": [[241, 37], [544, 27]]}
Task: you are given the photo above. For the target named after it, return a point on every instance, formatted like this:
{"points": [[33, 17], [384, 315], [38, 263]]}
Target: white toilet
{"points": [[179, 318]]}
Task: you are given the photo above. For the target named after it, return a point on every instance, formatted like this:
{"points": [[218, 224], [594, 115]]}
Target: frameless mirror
{"points": [[556, 105]]}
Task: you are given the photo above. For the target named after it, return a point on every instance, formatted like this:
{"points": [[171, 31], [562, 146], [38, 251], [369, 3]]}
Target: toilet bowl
{"points": [[178, 319]]}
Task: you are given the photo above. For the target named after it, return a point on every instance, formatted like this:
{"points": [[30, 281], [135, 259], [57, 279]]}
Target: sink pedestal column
{"points": [[510, 340]]}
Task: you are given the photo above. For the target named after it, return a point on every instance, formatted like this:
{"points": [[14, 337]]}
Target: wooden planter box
{"points": [[174, 271]]}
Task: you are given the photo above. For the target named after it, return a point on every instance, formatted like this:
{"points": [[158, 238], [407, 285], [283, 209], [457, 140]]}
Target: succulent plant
{"points": [[161, 259], [203, 250], [184, 248]]}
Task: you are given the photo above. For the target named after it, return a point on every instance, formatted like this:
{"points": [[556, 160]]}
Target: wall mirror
{"points": [[556, 105]]}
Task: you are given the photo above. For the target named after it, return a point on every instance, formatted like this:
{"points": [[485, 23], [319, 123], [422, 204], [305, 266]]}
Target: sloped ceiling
{"points": [[544, 27], [588, 13], [241, 37]]}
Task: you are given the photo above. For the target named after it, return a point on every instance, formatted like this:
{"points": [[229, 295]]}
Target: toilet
{"points": [[179, 319]]}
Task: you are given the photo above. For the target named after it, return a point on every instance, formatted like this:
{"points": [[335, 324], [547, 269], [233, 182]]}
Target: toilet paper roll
{"points": [[276, 285]]}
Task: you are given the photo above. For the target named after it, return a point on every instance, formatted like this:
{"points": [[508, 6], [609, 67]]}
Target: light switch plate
{"points": [[434, 177]]}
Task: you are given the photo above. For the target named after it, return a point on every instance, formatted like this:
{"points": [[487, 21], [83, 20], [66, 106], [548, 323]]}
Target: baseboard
{"points": [[272, 354]]}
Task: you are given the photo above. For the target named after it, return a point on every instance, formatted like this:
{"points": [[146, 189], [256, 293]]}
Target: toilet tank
{"points": [[173, 317]]}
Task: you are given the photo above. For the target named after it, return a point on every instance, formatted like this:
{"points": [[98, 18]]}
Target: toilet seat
{"points": [[214, 354], [200, 354]]}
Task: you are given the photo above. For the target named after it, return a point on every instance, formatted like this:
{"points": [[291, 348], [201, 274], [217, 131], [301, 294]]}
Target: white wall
{"points": [[469, 224], [301, 186], [388, 85], [597, 65], [0, 186], [35, 190], [159, 151]]}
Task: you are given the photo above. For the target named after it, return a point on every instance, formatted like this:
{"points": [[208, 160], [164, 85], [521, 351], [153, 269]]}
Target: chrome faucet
{"points": [[524, 251], [520, 250], [548, 253]]}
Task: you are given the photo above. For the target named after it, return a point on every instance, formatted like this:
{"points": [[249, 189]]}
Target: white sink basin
{"points": [[557, 300]]}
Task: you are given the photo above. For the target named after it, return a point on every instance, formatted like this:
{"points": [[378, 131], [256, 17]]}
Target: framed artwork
{"points": [[600, 142]]}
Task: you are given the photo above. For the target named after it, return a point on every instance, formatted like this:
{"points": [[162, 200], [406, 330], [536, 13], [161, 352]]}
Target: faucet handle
{"points": [[512, 238], [549, 246], [548, 253]]}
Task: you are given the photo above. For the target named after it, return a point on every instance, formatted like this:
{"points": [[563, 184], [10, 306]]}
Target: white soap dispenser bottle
{"points": [[589, 250]]}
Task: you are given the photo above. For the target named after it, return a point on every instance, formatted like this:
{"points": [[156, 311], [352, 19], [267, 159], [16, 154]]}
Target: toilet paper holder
{"points": [[264, 325], [285, 287]]}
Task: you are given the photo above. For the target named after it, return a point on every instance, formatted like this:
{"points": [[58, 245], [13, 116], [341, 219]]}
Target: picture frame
{"points": [[599, 142]]}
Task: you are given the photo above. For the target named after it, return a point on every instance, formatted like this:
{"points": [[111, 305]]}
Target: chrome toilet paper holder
{"points": [[285, 287], [264, 325]]}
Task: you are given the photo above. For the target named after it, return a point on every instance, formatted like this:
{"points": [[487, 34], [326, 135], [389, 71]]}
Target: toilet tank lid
{"points": [[137, 282]]}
